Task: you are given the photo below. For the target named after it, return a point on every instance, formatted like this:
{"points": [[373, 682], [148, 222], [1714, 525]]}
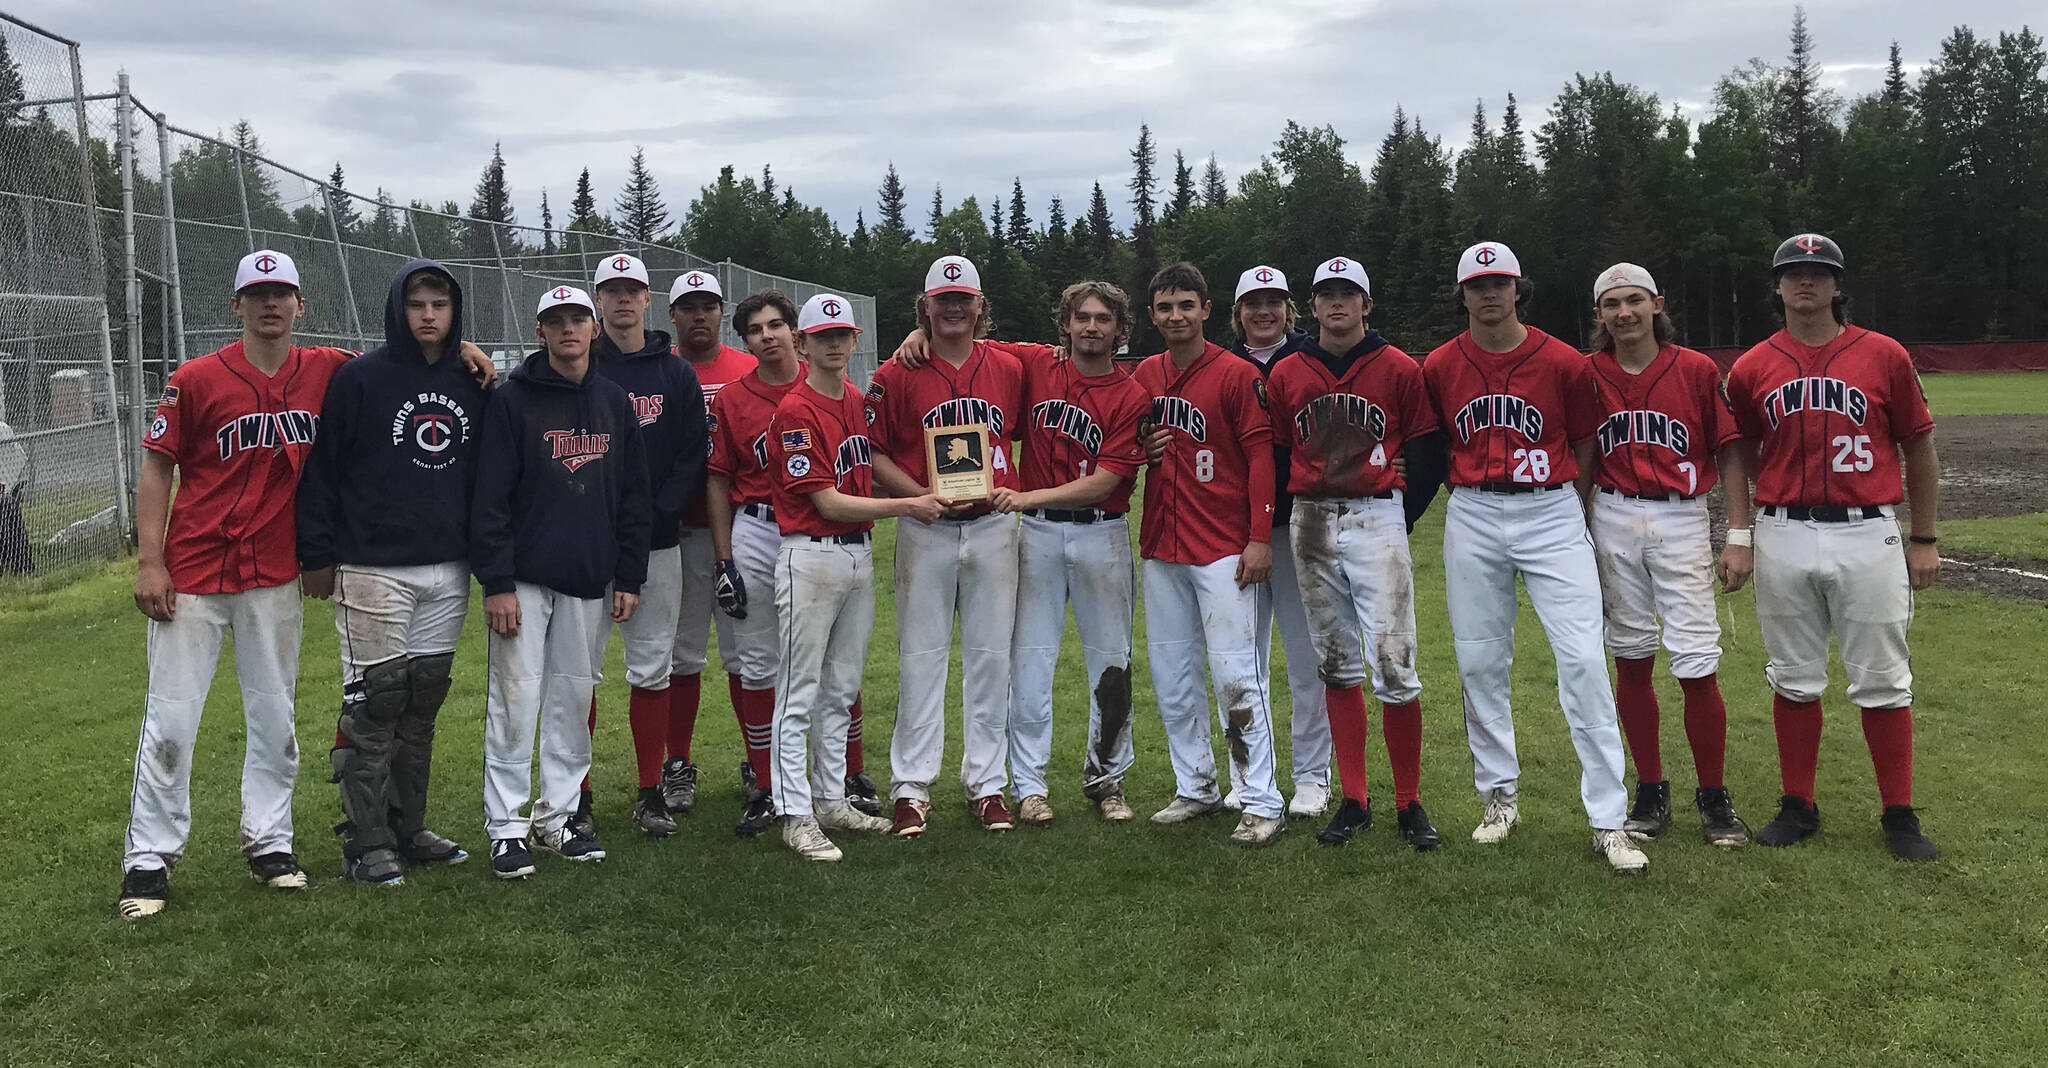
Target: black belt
{"points": [[1672, 496], [1383, 495], [763, 512], [1825, 513], [860, 538], [1073, 515], [1517, 487], [969, 516]]}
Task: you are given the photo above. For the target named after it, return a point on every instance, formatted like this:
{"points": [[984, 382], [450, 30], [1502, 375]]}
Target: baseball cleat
{"points": [[758, 816], [376, 867], [1500, 817], [910, 817], [583, 821], [510, 859], [1234, 800], [1034, 809], [651, 813], [1351, 818], [1257, 832], [803, 835], [1795, 822], [1652, 811], [279, 871], [848, 818], [565, 841], [1416, 829], [1114, 808], [678, 785], [749, 782], [1310, 800], [1183, 809], [993, 814], [1719, 824], [144, 892], [1621, 851], [1902, 834], [427, 847], [861, 793]]}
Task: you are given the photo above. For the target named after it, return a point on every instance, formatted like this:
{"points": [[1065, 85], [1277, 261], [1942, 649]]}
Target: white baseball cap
{"points": [[1488, 258], [560, 295], [690, 282], [1342, 270], [1621, 276], [1260, 279], [265, 265], [952, 274], [826, 311], [620, 265]]}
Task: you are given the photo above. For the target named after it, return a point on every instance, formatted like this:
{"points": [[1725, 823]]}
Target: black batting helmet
{"points": [[1808, 248]]}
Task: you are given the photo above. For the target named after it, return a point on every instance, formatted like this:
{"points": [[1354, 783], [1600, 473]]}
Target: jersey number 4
{"points": [[1853, 453]]}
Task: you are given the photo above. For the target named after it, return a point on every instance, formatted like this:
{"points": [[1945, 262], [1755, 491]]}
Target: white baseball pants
{"points": [[691, 644], [752, 647], [1656, 562], [1088, 564], [182, 657], [650, 635], [1357, 582], [1848, 580], [970, 565], [383, 613], [540, 685], [1192, 610], [1309, 721], [825, 600], [1489, 538]]}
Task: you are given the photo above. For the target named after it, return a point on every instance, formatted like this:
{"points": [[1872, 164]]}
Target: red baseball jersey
{"points": [[1661, 429], [739, 419], [1513, 416], [1076, 423], [729, 365], [1828, 419], [817, 442], [239, 438], [1346, 430], [1206, 499], [988, 388]]}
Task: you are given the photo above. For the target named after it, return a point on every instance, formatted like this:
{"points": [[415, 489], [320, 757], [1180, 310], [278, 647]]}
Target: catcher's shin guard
{"points": [[413, 758], [370, 712]]}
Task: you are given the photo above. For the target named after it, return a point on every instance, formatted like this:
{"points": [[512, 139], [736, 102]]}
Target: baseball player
{"points": [[1665, 434], [383, 528], [559, 530], [1346, 403], [1208, 516], [669, 405], [1263, 318], [1521, 415], [1828, 409], [824, 577], [970, 553]]}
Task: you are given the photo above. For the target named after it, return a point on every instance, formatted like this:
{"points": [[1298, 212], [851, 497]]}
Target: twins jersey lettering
{"points": [[730, 365], [1513, 416], [1828, 418], [1076, 424], [1661, 429], [1346, 430], [739, 433], [433, 423], [817, 442], [1203, 501], [902, 402], [239, 438]]}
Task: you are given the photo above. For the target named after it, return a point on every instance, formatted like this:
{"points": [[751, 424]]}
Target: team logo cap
{"points": [[952, 274], [560, 295], [1342, 269], [265, 265], [1488, 258], [690, 282], [620, 265], [826, 311], [1621, 276], [1259, 279]]}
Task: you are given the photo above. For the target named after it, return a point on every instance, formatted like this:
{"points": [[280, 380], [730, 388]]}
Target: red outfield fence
{"points": [[1951, 357]]}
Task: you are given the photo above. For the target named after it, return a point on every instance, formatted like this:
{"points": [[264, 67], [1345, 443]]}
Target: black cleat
{"points": [[1902, 834], [1719, 824], [861, 793], [1652, 811], [749, 782], [511, 859], [279, 871], [1416, 828], [376, 867], [144, 892], [1351, 818], [758, 816], [678, 785], [651, 814], [1795, 822], [427, 847], [583, 823]]}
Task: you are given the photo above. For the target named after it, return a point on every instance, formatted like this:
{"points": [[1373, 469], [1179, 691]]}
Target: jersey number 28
{"points": [[1532, 465]]}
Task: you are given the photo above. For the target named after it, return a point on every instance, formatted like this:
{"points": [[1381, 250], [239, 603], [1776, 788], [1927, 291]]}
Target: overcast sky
{"points": [[410, 96]]}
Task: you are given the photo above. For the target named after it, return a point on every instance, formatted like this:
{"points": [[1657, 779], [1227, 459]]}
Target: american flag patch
{"points": [[795, 440], [170, 397]]}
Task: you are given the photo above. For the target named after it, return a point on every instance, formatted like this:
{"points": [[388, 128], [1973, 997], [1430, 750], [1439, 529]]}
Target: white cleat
{"points": [[803, 836], [1184, 809], [1500, 818], [1621, 851], [848, 818], [1116, 808], [1256, 832], [1034, 809], [1234, 800], [1310, 800]]}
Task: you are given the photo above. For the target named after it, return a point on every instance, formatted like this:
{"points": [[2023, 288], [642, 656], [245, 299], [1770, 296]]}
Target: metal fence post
{"points": [[121, 509], [131, 313], [412, 226], [504, 282], [97, 266], [242, 194], [348, 289], [175, 299]]}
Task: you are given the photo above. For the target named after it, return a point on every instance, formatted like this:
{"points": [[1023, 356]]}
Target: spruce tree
{"points": [[641, 214]]}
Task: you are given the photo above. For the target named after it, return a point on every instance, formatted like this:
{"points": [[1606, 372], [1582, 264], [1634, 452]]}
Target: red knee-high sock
{"points": [[757, 723], [1402, 726], [1889, 733], [1635, 704], [647, 714], [1346, 708], [685, 692], [1706, 727], [738, 693], [593, 737], [856, 755], [1798, 726]]}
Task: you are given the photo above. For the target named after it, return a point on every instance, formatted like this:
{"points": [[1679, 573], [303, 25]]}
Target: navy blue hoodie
{"points": [[1426, 457], [387, 481], [669, 402], [561, 489], [1283, 457]]}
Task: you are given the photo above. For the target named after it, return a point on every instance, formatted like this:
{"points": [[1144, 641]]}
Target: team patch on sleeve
{"points": [[1259, 390], [876, 389], [798, 466], [170, 397], [710, 422], [158, 427], [796, 440]]}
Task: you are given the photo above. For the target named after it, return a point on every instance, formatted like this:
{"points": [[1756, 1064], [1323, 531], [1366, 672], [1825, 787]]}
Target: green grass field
{"points": [[1987, 394], [1074, 944]]}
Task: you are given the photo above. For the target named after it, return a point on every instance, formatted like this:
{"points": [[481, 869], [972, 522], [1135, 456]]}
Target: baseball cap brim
{"points": [[952, 289], [1488, 274]]}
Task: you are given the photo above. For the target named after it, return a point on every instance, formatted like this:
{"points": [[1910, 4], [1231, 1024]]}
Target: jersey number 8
{"points": [[1532, 465], [1205, 465]]}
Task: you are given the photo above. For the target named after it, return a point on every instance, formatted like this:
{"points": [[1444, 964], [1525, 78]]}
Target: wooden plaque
{"points": [[957, 463]]}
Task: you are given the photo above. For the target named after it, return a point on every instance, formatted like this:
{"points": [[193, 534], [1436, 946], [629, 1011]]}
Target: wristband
{"points": [[1742, 536], [1922, 539]]}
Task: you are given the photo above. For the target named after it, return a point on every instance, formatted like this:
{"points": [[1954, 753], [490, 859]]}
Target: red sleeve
{"points": [[879, 404], [166, 432], [1024, 352], [1259, 491], [1121, 450], [1741, 398], [1280, 414], [1256, 437], [1418, 412], [1582, 407], [798, 456], [1907, 401], [724, 454], [1714, 407]]}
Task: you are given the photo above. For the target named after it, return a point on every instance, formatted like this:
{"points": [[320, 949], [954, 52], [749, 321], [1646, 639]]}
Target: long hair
{"points": [[983, 326], [1839, 306], [1660, 327], [1237, 317], [1111, 295]]}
